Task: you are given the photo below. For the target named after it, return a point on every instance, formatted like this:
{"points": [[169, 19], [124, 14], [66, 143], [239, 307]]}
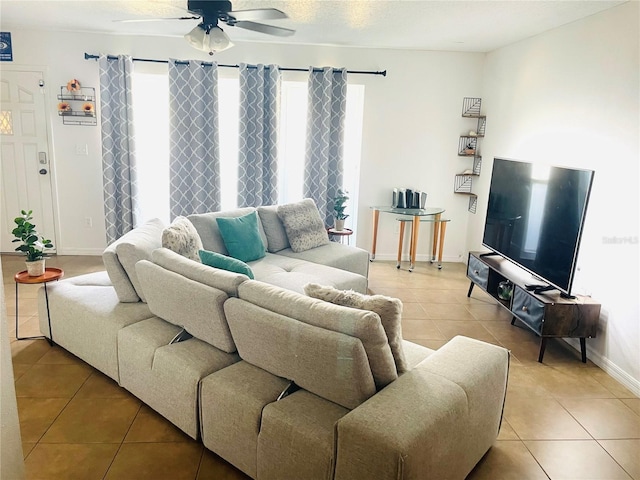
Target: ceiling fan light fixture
{"points": [[208, 38]]}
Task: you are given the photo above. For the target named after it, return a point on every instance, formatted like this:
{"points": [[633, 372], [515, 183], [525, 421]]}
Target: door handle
{"points": [[43, 171]]}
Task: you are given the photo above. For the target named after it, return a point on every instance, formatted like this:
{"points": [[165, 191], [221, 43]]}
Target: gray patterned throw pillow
{"points": [[182, 237], [303, 225]]}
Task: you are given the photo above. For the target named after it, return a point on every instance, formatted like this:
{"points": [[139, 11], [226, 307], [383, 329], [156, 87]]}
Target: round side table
{"points": [[51, 274], [341, 234]]}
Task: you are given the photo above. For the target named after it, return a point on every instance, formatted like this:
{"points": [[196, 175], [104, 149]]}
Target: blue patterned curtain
{"points": [[258, 145], [327, 105], [194, 159], [118, 146]]}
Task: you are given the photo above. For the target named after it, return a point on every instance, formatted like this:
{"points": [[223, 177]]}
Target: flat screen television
{"points": [[535, 217]]}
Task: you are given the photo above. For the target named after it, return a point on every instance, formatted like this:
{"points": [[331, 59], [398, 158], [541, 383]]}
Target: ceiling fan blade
{"points": [[262, 28], [157, 19], [258, 14]]}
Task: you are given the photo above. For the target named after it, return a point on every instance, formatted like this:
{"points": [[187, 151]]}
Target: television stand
{"points": [[546, 313]]}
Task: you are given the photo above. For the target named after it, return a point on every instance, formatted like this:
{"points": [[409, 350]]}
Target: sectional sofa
{"points": [[280, 384]]}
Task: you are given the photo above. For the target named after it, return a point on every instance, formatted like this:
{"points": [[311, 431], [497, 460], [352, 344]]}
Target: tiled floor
{"points": [[563, 419]]}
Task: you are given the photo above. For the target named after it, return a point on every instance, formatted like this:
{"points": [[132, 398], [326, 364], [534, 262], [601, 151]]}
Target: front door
{"points": [[25, 173]]}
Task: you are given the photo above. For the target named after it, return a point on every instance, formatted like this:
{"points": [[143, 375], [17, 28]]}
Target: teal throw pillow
{"points": [[224, 262], [241, 237]]}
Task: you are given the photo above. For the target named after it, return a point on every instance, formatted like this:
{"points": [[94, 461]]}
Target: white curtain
{"points": [[194, 159], [118, 145], [327, 105], [258, 145]]}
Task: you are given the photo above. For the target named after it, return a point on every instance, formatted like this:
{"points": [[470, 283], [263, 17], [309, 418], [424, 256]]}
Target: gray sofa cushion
{"points": [[305, 229], [361, 324], [388, 309], [121, 256], [214, 277], [187, 303], [273, 228], [334, 254], [209, 232], [330, 364], [294, 274]]}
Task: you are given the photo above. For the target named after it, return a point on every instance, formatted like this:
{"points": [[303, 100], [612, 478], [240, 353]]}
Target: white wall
{"points": [[570, 97], [411, 124]]}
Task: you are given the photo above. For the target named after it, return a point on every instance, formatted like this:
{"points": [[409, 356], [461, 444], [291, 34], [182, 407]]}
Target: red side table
{"points": [[51, 274]]}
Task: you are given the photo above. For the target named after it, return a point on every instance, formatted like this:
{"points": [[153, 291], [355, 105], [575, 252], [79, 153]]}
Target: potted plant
{"points": [[339, 206], [33, 245]]}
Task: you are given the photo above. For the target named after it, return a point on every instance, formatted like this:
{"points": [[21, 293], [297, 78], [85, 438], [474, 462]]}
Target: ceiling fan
{"points": [[209, 37]]}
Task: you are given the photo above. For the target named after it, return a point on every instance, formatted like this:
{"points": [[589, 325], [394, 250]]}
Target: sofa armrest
{"points": [[436, 421]]}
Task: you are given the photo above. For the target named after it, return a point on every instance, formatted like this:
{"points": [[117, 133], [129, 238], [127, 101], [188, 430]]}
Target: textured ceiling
{"points": [[474, 26]]}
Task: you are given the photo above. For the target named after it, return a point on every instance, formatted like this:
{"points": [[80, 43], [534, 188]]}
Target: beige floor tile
{"points": [[633, 404], [611, 384], [37, 414], [507, 432], [509, 334], [413, 311], [430, 296], [507, 460], [468, 328], [535, 418], [59, 356], [70, 462], [432, 344], [421, 329], [490, 313], [52, 381], [575, 460], [156, 461], [404, 294], [28, 351], [149, 426], [93, 420], [27, 447], [451, 311], [522, 382], [604, 418], [626, 453], [570, 382], [19, 369], [212, 467], [524, 352], [28, 327], [99, 385]]}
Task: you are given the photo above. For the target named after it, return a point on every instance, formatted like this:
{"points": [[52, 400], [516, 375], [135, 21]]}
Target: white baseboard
{"points": [[81, 251], [419, 258], [608, 367]]}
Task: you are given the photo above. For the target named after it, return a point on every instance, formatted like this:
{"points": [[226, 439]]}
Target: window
{"points": [[151, 123]]}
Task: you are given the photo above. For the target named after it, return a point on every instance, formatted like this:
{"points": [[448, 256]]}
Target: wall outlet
{"points": [[88, 222], [82, 149]]}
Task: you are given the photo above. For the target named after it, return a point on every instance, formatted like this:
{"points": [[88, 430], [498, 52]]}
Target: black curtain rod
{"points": [[88, 56]]}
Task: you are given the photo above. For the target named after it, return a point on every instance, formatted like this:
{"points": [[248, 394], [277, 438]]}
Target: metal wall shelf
{"points": [[76, 100], [469, 146]]}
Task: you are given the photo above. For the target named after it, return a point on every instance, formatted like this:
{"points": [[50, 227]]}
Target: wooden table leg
{"points": [[583, 349], [443, 228], [414, 241], [436, 228], [543, 345], [400, 242], [376, 216]]}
